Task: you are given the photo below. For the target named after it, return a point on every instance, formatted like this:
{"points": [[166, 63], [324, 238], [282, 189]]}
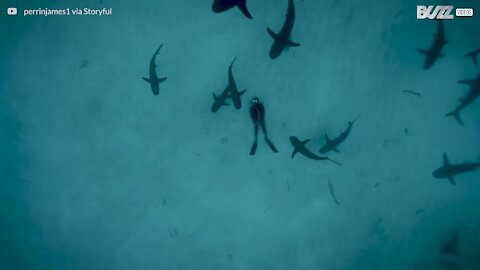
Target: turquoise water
{"points": [[98, 173]]}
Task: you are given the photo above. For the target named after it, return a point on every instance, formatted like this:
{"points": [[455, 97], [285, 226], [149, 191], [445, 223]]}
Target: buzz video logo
{"points": [[434, 12], [442, 12]]}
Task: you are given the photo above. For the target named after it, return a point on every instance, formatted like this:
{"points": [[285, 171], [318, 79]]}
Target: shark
{"points": [[220, 101], [474, 55], [448, 170], [469, 98], [219, 6], [333, 144], [231, 91], [300, 147], [154, 81], [435, 51], [232, 86], [282, 39]]}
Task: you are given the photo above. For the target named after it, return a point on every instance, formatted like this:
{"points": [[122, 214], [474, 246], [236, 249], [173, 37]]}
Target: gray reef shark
{"points": [[282, 39], [448, 171], [223, 5], [469, 98], [299, 147], [231, 91], [435, 51], [333, 144], [154, 81]]}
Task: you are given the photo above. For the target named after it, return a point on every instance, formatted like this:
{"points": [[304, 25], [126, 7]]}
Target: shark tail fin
{"points": [[456, 114], [243, 8], [272, 34], [147, 80], [292, 44], [422, 51], [159, 48]]}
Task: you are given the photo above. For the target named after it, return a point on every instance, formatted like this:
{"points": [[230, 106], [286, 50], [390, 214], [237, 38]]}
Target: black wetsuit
{"points": [[257, 113]]}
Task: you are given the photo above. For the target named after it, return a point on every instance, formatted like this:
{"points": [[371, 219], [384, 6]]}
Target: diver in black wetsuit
{"points": [[257, 112]]}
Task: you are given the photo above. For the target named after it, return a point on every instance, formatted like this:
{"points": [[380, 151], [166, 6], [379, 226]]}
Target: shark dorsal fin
{"points": [[214, 96], [445, 160], [305, 142], [327, 139]]}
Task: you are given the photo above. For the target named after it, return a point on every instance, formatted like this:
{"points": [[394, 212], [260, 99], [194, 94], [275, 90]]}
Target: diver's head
{"points": [[255, 100]]}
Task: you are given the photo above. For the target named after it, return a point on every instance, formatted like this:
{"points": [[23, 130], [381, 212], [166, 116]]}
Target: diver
{"points": [[257, 112]]}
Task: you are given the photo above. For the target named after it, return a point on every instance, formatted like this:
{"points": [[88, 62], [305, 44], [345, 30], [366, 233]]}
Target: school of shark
{"points": [[282, 41]]}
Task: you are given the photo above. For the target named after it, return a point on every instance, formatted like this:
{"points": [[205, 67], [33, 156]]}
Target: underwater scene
{"points": [[239, 134]]}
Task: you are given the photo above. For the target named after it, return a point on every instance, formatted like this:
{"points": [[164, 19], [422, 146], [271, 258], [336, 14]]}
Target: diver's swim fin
{"points": [[271, 145], [254, 148]]}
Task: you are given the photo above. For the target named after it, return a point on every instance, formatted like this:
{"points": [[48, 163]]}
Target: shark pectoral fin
{"points": [[336, 162], [474, 58], [452, 180], [336, 150], [305, 141], [147, 80], [295, 151], [456, 114], [292, 44], [162, 79], [272, 34], [422, 51], [243, 7], [469, 82]]}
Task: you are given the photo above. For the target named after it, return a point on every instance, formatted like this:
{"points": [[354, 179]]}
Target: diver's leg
{"points": [[254, 145], [270, 144]]}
